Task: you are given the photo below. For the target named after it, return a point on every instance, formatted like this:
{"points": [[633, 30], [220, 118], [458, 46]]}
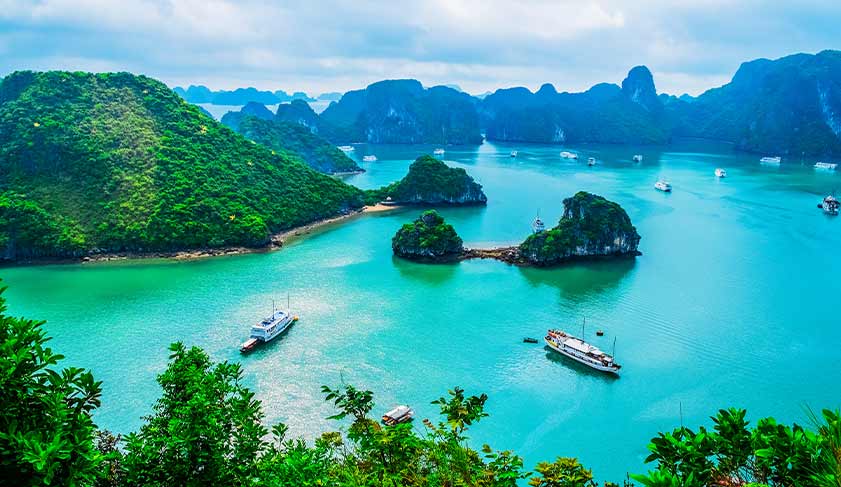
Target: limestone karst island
{"points": [[420, 244]]}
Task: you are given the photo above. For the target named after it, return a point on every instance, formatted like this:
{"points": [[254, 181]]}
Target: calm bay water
{"points": [[734, 302]]}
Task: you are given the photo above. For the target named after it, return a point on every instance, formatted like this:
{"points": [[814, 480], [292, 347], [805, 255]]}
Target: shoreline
{"points": [[512, 256], [276, 242]]}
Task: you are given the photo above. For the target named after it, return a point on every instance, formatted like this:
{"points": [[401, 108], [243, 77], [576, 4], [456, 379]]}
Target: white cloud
{"points": [[345, 44]]}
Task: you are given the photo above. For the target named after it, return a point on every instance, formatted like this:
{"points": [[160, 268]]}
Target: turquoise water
{"points": [[733, 302]]}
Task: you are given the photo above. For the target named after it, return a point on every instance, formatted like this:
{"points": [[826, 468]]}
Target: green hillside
{"points": [[118, 162]]}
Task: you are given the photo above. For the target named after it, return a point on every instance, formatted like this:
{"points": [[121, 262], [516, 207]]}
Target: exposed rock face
{"points": [[298, 112], [403, 112], [590, 227], [605, 113], [431, 182], [428, 238], [639, 88], [251, 109]]}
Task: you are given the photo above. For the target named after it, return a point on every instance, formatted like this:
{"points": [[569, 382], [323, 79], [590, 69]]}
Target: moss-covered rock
{"points": [[590, 227], [431, 182], [427, 238]]}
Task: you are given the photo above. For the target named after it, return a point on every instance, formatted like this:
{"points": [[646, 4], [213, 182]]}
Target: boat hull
{"points": [[603, 368]]}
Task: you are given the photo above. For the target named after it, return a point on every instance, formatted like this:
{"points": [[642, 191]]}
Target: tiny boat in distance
{"points": [[438, 152], [828, 166], [569, 155], [771, 160], [663, 185], [581, 351], [529, 340], [591, 161], [346, 148], [513, 153], [537, 225], [720, 173], [371, 158], [637, 158], [830, 205], [400, 414], [268, 329]]}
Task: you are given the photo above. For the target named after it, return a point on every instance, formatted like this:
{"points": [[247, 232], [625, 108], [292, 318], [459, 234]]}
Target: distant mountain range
{"points": [[242, 96], [786, 106]]}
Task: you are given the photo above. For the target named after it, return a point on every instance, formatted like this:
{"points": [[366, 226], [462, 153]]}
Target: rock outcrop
{"points": [[431, 182], [590, 227], [428, 238]]}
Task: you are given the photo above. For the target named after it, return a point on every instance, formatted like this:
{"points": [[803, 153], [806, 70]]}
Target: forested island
{"points": [[591, 228], [206, 428], [431, 182], [788, 106]]}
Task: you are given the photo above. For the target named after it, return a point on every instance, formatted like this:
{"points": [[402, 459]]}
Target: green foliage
{"points": [[431, 181], [205, 429], [117, 162], [563, 472], [297, 141], [46, 430], [590, 226], [402, 112], [427, 237], [770, 454]]}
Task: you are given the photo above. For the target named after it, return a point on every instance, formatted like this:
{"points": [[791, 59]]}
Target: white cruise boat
{"points": [[828, 166], [268, 329], [771, 160], [400, 414], [537, 225], [370, 158], [438, 152], [637, 158], [591, 161], [514, 153], [830, 205], [580, 351], [720, 173], [569, 155], [346, 148], [663, 185]]}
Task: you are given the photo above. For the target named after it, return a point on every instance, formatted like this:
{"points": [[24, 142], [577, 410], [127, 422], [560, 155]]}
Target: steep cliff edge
{"points": [[590, 227], [428, 238]]}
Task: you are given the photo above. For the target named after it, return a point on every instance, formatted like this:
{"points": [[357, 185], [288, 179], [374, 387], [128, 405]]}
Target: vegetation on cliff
{"points": [[591, 226], [429, 237], [403, 112], [117, 162], [430, 181], [207, 429], [291, 139]]}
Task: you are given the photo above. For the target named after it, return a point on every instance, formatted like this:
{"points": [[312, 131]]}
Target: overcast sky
{"points": [[338, 45]]}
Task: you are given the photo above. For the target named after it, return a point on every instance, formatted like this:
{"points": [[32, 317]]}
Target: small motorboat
{"points": [[720, 173], [514, 153], [438, 152], [637, 158], [771, 160], [529, 340], [591, 161], [826, 166], [663, 185], [599, 333], [369, 158], [830, 205], [400, 414], [346, 148]]}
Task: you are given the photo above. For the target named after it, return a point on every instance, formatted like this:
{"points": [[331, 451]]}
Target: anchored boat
{"points": [[591, 161], [771, 160], [569, 155], [369, 158], [514, 153], [581, 351], [663, 185], [537, 225], [438, 152], [637, 158], [826, 166], [346, 148], [720, 173], [269, 328], [830, 205], [400, 414]]}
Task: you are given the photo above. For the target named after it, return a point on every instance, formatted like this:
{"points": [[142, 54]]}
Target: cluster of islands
{"points": [[103, 164]]}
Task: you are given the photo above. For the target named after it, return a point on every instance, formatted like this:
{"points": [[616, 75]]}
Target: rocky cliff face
{"points": [[428, 238], [403, 112], [590, 227], [300, 112], [431, 182], [604, 114]]}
